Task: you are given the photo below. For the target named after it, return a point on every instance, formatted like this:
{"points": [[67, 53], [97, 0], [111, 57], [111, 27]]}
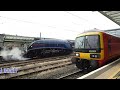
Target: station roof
{"points": [[112, 15]]}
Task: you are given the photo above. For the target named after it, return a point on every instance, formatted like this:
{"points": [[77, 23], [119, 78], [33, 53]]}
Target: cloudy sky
{"points": [[52, 24]]}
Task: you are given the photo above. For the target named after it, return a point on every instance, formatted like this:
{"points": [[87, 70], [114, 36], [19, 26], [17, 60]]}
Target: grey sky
{"points": [[52, 24]]}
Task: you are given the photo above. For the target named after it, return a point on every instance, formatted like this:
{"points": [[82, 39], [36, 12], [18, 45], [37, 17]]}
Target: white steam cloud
{"points": [[13, 54]]}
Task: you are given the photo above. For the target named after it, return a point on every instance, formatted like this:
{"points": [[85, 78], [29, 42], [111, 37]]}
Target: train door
{"points": [[109, 47]]}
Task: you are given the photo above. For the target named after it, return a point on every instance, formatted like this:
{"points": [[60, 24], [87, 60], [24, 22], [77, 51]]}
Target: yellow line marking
{"points": [[112, 76]]}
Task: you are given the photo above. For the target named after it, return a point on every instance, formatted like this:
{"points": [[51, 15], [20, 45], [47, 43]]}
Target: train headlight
{"points": [[94, 55], [77, 54]]}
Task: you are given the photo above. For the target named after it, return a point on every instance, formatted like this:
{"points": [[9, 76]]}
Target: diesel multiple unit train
{"points": [[48, 47], [95, 49]]}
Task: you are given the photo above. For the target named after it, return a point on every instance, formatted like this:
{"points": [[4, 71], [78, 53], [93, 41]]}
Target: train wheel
{"points": [[93, 65], [83, 65], [30, 54], [43, 54], [79, 64]]}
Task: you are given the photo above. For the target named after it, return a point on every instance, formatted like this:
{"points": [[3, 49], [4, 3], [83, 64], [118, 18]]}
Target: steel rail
{"points": [[69, 74], [39, 67], [26, 62]]}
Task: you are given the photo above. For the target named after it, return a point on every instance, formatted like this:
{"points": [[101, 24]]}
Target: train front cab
{"points": [[89, 51]]}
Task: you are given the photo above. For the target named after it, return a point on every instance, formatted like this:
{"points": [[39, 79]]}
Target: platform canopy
{"points": [[112, 15]]}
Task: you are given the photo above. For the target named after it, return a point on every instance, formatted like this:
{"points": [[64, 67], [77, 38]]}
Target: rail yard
{"points": [[90, 54], [33, 67], [50, 67], [17, 68]]}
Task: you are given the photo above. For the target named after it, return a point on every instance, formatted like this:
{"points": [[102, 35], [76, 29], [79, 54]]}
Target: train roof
{"points": [[51, 41], [90, 33], [96, 32]]}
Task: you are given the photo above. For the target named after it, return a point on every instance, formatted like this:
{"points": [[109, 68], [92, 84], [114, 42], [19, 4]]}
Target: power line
{"points": [[76, 16], [79, 17], [64, 29], [34, 23], [17, 20]]}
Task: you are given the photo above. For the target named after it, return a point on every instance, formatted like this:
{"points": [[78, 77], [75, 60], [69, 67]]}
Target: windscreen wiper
{"points": [[87, 43]]}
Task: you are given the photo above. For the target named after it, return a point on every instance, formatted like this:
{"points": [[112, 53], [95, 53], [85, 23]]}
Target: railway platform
{"points": [[109, 71]]}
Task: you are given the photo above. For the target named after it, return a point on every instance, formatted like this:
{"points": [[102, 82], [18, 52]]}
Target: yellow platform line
{"points": [[112, 76]]}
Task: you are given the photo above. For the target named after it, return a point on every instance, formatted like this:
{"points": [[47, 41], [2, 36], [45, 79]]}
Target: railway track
{"points": [[33, 66], [72, 75], [69, 74], [26, 62]]}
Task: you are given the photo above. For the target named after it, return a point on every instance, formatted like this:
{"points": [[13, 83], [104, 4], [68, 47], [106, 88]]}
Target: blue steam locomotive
{"points": [[48, 47]]}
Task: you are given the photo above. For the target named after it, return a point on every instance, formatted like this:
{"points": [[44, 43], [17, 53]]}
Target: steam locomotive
{"points": [[48, 47]]}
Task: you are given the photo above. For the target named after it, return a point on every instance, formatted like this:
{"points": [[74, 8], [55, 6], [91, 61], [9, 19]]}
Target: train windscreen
{"points": [[87, 42]]}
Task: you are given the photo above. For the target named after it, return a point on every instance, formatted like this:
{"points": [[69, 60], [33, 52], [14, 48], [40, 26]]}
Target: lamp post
{"points": [[40, 35]]}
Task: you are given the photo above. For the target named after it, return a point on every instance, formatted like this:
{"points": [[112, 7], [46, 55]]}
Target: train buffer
{"points": [[109, 71]]}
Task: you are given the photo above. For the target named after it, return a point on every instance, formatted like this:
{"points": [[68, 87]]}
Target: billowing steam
{"points": [[14, 54]]}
